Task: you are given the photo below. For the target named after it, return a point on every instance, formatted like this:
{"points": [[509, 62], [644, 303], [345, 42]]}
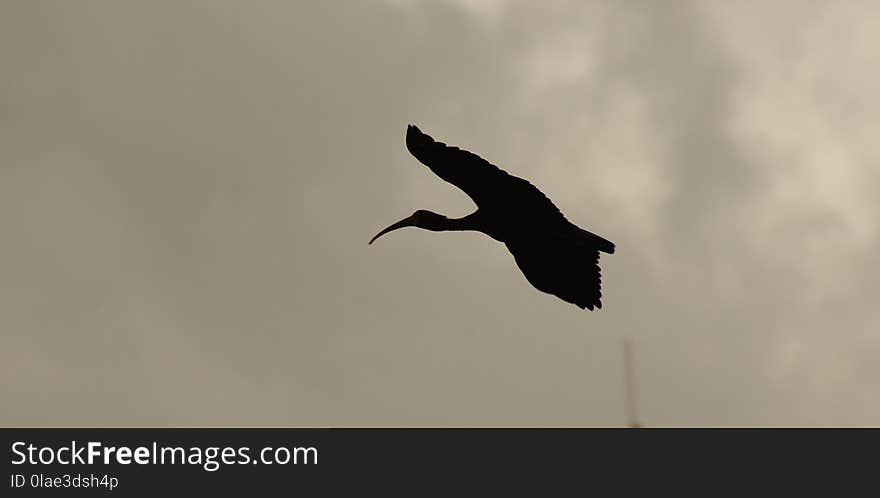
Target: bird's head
{"points": [[421, 219]]}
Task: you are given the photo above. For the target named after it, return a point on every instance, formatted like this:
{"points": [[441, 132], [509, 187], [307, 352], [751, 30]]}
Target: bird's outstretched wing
{"points": [[492, 188], [571, 274], [489, 186]]}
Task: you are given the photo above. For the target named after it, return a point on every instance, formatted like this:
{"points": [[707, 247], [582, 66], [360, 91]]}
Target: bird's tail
{"points": [[598, 242]]}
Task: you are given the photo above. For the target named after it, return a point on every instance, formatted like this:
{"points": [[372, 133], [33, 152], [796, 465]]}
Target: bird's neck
{"points": [[469, 222]]}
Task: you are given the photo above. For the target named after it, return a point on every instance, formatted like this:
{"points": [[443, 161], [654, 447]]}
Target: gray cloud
{"points": [[188, 189]]}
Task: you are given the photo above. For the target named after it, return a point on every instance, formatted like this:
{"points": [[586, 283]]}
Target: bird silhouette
{"points": [[555, 255]]}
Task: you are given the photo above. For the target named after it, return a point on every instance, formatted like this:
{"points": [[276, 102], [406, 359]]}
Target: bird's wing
{"points": [[489, 186], [564, 270]]}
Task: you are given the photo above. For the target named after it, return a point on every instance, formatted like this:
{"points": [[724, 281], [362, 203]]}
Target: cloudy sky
{"points": [[187, 190]]}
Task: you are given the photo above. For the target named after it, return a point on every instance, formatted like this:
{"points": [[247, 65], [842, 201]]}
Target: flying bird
{"points": [[555, 255]]}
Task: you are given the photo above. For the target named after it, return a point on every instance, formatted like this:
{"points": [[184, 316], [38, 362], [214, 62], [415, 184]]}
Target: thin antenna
{"points": [[630, 384]]}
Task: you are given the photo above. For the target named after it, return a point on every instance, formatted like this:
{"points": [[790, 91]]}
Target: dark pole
{"points": [[630, 384]]}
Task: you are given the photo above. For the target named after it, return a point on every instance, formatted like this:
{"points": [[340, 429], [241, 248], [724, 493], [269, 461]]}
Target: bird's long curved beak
{"points": [[406, 222]]}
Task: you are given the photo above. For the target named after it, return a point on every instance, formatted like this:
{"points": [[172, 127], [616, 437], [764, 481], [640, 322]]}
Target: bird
{"points": [[556, 256]]}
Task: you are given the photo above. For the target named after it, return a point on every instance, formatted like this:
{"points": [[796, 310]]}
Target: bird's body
{"points": [[555, 255]]}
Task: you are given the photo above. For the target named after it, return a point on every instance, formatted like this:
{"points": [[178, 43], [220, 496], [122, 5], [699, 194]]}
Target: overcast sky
{"points": [[187, 190]]}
